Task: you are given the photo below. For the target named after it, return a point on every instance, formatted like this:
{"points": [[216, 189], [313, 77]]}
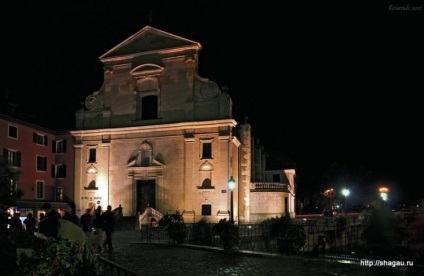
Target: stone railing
{"points": [[147, 215], [269, 186]]}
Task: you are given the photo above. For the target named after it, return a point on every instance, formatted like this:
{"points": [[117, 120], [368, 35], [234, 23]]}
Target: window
{"points": [[41, 163], [40, 189], [207, 150], [149, 107], [12, 157], [39, 139], [59, 171], [206, 175], [59, 194], [13, 185], [13, 132], [206, 210], [59, 146], [92, 155], [275, 178]]}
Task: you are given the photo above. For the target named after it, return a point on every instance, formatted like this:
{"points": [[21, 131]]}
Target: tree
{"points": [[8, 193]]}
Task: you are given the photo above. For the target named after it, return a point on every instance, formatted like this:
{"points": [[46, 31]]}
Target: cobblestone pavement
{"points": [[167, 259]]}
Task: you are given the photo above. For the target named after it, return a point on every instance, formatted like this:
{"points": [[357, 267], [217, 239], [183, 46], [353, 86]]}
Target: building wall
{"points": [[266, 205], [176, 166], [29, 175]]}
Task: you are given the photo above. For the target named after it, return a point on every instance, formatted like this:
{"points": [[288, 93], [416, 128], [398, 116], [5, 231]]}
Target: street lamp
{"points": [[345, 192], [231, 185], [384, 193]]}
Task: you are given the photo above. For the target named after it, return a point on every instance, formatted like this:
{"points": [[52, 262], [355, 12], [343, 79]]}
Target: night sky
{"points": [[332, 89]]}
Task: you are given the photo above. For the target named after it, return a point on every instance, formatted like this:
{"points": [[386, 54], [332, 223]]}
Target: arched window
{"points": [[206, 176]]}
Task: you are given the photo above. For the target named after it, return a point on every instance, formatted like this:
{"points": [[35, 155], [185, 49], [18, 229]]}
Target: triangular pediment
{"points": [[148, 40]]}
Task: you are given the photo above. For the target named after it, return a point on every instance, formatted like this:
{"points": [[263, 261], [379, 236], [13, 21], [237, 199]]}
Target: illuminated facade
{"points": [[156, 134]]}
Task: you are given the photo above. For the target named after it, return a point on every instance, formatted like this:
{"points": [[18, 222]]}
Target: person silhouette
{"points": [[108, 226], [30, 223]]}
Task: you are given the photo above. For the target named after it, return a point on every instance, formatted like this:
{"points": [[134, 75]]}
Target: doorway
{"points": [[146, 194]]}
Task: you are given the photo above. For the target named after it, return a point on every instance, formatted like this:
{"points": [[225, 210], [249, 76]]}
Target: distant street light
{"points": [[384, 192], [231, 185], [345, 192]]}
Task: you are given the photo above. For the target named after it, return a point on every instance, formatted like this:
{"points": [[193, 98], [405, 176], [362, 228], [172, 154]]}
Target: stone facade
{"points": [[157, 134]]}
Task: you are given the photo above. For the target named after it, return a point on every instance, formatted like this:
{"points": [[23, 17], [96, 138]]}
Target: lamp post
{"points": [[384, 193], [345, 192], [231, 185]]}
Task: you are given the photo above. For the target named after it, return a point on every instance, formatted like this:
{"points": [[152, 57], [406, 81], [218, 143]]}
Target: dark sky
{"points": [[332, 87]]}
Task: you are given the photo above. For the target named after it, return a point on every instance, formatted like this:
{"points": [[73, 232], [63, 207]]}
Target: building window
{"points": [[149, 107], [13, 132], [40, 189], [39, 139], [206, 176], [207, 150], [12, 157], [275, 178], [41, 163], [59, 194], [206, 210], [59, 146], [92, 155], [13, 185], [59, 171]]}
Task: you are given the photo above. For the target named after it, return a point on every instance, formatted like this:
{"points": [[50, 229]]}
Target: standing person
{"points": [[4, 219], [70, 213], [86, 222], [97, 224], [15, 222], [108, 226], [30, 223], [49, 225]]}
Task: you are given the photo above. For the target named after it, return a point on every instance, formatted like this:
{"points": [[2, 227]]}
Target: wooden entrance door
{"points": [[146, 194]]}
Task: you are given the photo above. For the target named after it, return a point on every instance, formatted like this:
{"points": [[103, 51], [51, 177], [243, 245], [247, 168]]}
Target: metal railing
{"points": [[321, 237], [112, 269]]}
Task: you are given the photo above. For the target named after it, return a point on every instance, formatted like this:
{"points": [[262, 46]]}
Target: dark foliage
{"points": [[228, 232], [383, 232], [290, 237], [202, 233]]}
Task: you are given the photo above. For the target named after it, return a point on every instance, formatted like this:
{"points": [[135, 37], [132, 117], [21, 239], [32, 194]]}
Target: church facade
{"points": [[158, 135]]}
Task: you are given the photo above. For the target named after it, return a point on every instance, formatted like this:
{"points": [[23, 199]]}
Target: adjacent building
{"points": [[44, 160]]}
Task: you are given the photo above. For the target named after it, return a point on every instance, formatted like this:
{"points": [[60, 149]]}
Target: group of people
{"points": [[96, 228], [103, 224]]}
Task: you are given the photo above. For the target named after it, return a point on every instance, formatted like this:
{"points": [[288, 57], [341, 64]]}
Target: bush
{"points": [[290, 237], [228, 232], [383, 233], [202, 233], [177, 231], [46, 257]]}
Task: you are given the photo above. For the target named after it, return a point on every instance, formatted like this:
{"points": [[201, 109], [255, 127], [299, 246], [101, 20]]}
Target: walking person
{"points": [[98, 232], [71, 213], [86, 222], [30, 223], [108, 226]]}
